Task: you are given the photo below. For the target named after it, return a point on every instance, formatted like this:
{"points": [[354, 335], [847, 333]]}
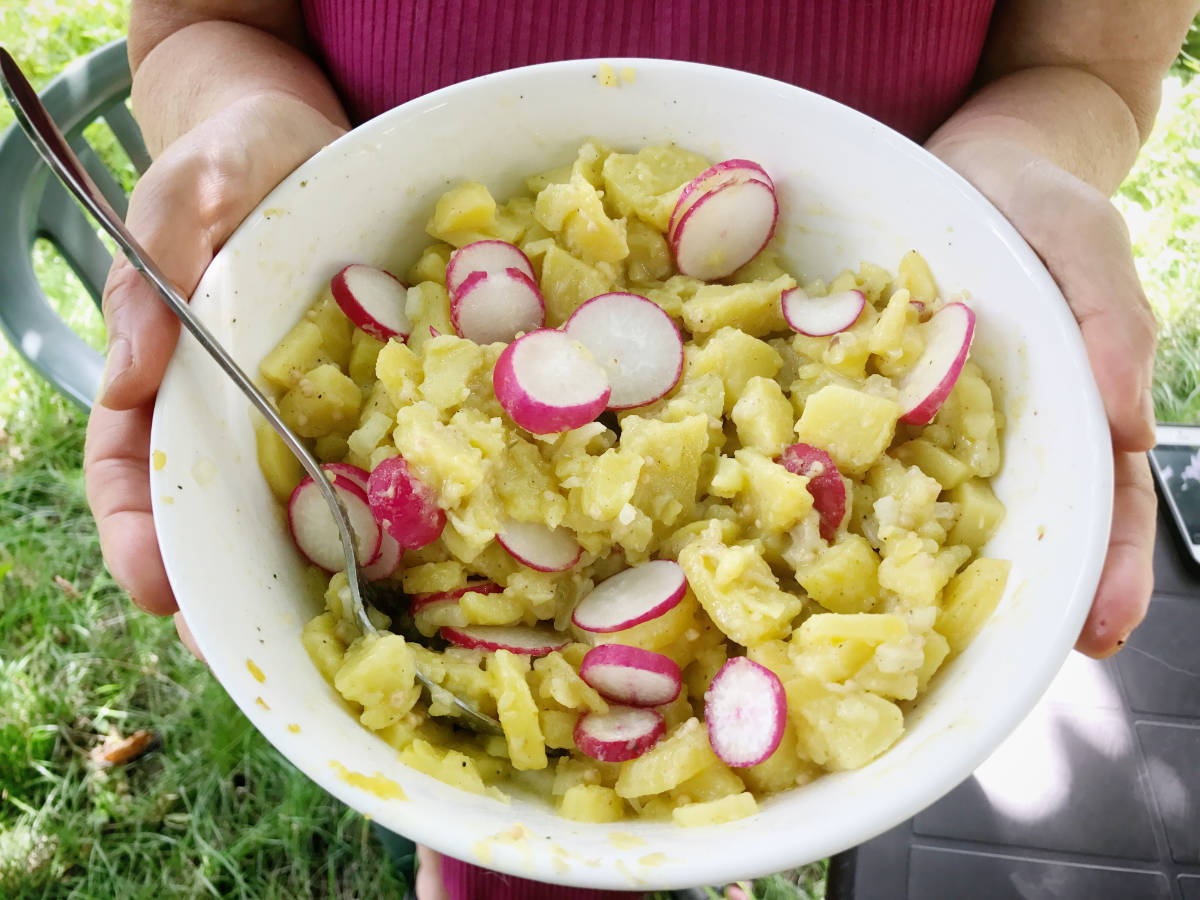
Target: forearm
{"points": [[1066, 116], [192, 73]]}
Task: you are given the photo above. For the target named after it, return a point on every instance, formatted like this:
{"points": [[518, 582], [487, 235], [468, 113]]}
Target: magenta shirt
{"points": [[908, 63]]}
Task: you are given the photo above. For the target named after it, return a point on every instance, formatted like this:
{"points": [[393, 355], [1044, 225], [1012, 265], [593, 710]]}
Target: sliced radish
{"points": [[315, 531], [746, 710], [539, 546], [513, 638], [724, 229], [404, 505], [819, 316], [497, 306], [622, 733], [631, 675], [636, 595], [727, 172], [548, 382], [925, 387], [358, 475], [420, 601], [636, 343], [483, 256], [824, 483], [387, 561], [372, 299]]}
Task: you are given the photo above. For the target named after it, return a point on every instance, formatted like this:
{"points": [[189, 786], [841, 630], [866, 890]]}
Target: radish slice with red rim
{"points": [[638, 594], [484, 256], [497, 306], [420, 601], [727, 172], [513, 638], [635, 341], [821, 316], [372, 299], [548, 382], [387, 561], [404, 505], [358, 475], [824, 483], [925, 387], [724, 230], [315, 531], [631, 675], [745, 709], [539, 546], [622, 733]]}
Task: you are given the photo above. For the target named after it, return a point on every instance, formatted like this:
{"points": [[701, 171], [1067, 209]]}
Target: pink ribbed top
{"points": [[906, 62]]}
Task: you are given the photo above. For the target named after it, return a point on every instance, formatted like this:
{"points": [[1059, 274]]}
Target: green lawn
{"points": [[216, 812]]}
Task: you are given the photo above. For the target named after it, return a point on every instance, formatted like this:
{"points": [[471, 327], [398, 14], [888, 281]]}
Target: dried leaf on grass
{"points": [[119, 751]]}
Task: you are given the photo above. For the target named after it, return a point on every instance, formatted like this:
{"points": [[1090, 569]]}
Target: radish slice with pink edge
{"points": [[483, 256], [636, 595], [372, 299], [631, 675], [549, 382], [726, 172], [821, 316], [635, 342], [420, 601], [513, 638], [724, 230], [745, 709], [387, 560], [539, 546], [622, 733], [497, 306], [405, 506], [315, 531], [824, 483], [925, 387]]}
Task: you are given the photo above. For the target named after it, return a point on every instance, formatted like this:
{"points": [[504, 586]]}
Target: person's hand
{"points": [[182, 211], [1085, 245]]}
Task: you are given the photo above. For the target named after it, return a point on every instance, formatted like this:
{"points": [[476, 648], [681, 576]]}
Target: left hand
{"points": [[1084, 243]]}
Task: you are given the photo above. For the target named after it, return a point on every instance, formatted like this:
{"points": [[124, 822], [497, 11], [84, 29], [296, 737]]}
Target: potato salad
{"points": [[694, 529]]}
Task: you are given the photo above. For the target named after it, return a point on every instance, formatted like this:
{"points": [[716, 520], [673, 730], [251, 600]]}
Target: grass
{"points": [[217, 812]]}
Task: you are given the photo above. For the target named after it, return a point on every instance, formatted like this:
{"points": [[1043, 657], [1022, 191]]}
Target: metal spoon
{"points": [[53, 148]]}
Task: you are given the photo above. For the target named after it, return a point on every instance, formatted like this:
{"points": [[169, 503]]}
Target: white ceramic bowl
{"points": [[850, 189]]}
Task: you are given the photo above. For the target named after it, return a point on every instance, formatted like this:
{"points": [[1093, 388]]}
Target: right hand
{"points": [[182, 211]]}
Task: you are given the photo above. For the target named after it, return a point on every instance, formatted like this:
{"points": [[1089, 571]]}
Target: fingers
{"points": [[1127, 579], [1083, 241], [187, 639], [116, 465], [429, 884]]}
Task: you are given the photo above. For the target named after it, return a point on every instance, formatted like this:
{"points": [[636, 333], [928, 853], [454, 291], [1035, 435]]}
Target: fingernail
{"points": [[116, 363]]}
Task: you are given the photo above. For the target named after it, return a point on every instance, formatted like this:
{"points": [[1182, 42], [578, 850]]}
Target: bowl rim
{"points": [[764, 856]]}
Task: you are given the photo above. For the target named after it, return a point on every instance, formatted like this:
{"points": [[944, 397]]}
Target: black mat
{"points": [[1095, 796]]}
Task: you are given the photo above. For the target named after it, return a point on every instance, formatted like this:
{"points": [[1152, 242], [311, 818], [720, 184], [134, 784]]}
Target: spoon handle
{"points": [[50, 144]]}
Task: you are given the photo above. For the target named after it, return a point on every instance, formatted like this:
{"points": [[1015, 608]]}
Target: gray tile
{"points": [[1066, 780], [1174, 572], [1161, 663], [1189, 887], [1173, 759], [936, 874]]}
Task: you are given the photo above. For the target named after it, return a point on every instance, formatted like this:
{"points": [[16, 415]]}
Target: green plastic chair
{"points": [[34, 205]]}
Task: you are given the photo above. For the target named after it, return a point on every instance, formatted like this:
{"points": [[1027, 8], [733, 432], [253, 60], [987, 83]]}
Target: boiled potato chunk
{"points": [[763, 416], [969, 598], [591, 803], [378, 672], [738, 590], [323, 401], [517, 710], [979, 513], [852, 426], [673, 760], [715, 812], [752, 307], [843, 578]]}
